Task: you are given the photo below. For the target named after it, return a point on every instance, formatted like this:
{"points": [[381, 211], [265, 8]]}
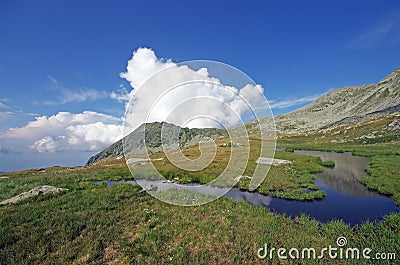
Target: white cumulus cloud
{"points": [[143, 64], [45, 145], [94, 135], [200, 100], [65, 131], [122, 95]]}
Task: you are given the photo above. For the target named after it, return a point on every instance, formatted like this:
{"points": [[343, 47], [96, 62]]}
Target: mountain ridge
{"points": [[341, 103], [346, 105]]}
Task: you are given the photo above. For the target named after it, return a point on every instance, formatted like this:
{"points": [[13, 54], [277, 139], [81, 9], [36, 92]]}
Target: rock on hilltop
{"points": [[138, 142]]}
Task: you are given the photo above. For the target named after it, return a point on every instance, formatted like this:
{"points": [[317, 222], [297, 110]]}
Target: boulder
{"points": [[272, 161], [33, 192]]}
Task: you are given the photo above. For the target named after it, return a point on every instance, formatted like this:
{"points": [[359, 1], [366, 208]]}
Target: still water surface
{"points": [[346, 198]]}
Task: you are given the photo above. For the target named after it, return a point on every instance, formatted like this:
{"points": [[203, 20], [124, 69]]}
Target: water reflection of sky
{"points": [[346, 198]]}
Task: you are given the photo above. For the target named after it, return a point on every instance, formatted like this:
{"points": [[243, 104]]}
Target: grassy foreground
{"points": [[93, 224]]}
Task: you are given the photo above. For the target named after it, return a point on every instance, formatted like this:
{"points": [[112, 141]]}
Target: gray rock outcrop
{"points": [[33, 192], [147, 139]]}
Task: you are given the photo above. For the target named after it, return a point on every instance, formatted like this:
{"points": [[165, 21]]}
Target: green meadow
{"points": [[121, 224]]}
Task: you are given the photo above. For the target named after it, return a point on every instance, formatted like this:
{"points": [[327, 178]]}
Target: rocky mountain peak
{"points": [[153, 137]]}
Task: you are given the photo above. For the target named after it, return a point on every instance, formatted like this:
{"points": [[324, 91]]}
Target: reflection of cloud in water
{"points": [[254, 198], [164, 186], [336, 205], [346, 174], [235, 194]]}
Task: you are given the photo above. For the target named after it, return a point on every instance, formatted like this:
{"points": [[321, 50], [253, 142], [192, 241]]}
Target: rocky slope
{"points": [[352, 105], [138, 142], [344, 105]]}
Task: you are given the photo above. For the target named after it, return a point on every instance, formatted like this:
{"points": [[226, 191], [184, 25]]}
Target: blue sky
{"points": [[66, 57]]}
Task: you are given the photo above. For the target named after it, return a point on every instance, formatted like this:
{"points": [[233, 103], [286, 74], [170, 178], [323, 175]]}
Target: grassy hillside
{"points": [[95, 224], [378, 129]]}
